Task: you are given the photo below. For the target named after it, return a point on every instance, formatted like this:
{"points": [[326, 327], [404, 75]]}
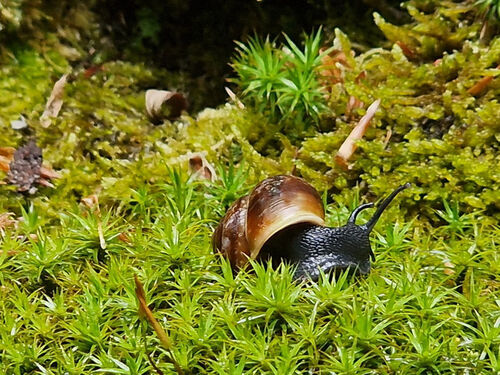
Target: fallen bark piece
{"points": [[55, 102], [163, 104], [349, 146]]}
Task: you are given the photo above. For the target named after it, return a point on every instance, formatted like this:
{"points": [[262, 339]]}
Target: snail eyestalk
{"points": [[357, 210], [371, 223]]}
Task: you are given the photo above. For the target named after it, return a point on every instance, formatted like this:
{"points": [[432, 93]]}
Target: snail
{"points": [[283, 218]]}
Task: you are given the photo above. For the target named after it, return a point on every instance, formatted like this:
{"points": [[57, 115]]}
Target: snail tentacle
{"points": [[371, 223], [357, 210]]}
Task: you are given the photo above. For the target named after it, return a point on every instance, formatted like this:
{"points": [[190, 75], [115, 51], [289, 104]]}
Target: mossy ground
{"points": [[430, 305]]}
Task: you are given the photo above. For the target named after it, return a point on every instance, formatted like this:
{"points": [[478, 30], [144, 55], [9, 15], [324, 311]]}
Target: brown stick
{"points": [[144, 310]]}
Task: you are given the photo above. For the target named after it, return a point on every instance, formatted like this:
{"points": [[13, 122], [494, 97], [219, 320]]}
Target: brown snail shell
{"points": [[275, 203]]}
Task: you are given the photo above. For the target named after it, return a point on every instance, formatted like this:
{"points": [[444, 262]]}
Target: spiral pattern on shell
{"points": [[274, 204]]}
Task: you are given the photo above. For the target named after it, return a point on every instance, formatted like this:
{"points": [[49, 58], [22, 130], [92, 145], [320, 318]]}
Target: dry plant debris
{"points": [[55, 102], [24, 167], [349, 146], [201, 168], [163, 104]]}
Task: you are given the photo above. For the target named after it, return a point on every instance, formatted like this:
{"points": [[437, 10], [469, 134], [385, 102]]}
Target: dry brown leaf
{"points": [[6, 221], [4, 163], [7, 152], [6, 156], [349, 146], [90, 71], [10, 253], [163, 104], [92, 202], [144, 310], [234, 98], [449, 268], [361, 76], [479, 87], [49, 173], [387, 137], [124, 237], [55, 102], [407, 51], [201, 168], [352, 104], [44, 182], [331, 66]]}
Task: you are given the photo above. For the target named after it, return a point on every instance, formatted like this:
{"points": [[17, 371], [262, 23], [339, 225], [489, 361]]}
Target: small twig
{"points": [[144, 310]]}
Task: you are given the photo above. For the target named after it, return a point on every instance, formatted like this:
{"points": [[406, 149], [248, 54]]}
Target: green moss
{"points": [[102, 141], [443, 138], [68, 305]]}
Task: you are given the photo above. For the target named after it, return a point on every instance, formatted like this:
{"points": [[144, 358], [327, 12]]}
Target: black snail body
{"points": [[283, 217]]}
